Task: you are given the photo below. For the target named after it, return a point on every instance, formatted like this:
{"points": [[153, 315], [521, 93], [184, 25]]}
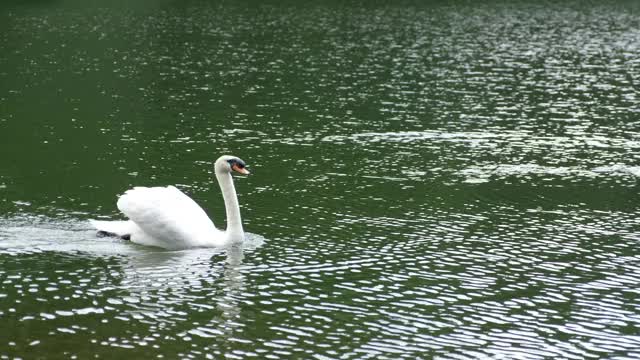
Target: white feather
{"points": [[119, 228], [167, 218]]}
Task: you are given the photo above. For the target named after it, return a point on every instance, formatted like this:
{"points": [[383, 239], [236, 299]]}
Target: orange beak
{"points": [[237, 169]]}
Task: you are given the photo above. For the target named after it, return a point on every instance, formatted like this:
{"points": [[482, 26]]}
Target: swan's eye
{"points": [[238, 166]]}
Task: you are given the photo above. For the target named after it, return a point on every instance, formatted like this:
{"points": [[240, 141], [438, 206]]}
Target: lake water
{"points": [[453, 180]]}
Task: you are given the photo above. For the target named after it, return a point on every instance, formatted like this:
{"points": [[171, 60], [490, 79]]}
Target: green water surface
{"points": [[430, 179]]}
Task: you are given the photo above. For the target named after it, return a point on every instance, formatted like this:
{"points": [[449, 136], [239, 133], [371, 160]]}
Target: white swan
{"points": [[165, 217]]}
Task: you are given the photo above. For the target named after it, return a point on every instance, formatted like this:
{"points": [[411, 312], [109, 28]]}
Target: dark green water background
{"points": [[430, 179]]}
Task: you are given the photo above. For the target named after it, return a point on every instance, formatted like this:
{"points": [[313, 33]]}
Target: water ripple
{"points": [[436, 180]]}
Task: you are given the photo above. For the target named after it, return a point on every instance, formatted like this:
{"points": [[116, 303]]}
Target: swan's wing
{"points": [[167, 215]]}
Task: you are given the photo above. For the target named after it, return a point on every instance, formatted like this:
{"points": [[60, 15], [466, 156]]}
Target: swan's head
{"points": [[227, 164]]}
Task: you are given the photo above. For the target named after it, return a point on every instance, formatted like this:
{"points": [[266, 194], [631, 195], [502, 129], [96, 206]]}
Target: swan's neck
{"points": [[234, 221]]}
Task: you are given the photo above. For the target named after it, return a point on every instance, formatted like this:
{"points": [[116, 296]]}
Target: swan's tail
{"points": [[121, 228]]}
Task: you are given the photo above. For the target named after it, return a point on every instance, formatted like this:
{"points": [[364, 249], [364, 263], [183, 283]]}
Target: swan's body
{"points": [[166, 217]]}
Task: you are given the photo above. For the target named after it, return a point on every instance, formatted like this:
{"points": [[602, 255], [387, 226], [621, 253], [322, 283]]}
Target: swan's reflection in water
{"points": [[191, 294], [197, 291], [234, 285]]}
